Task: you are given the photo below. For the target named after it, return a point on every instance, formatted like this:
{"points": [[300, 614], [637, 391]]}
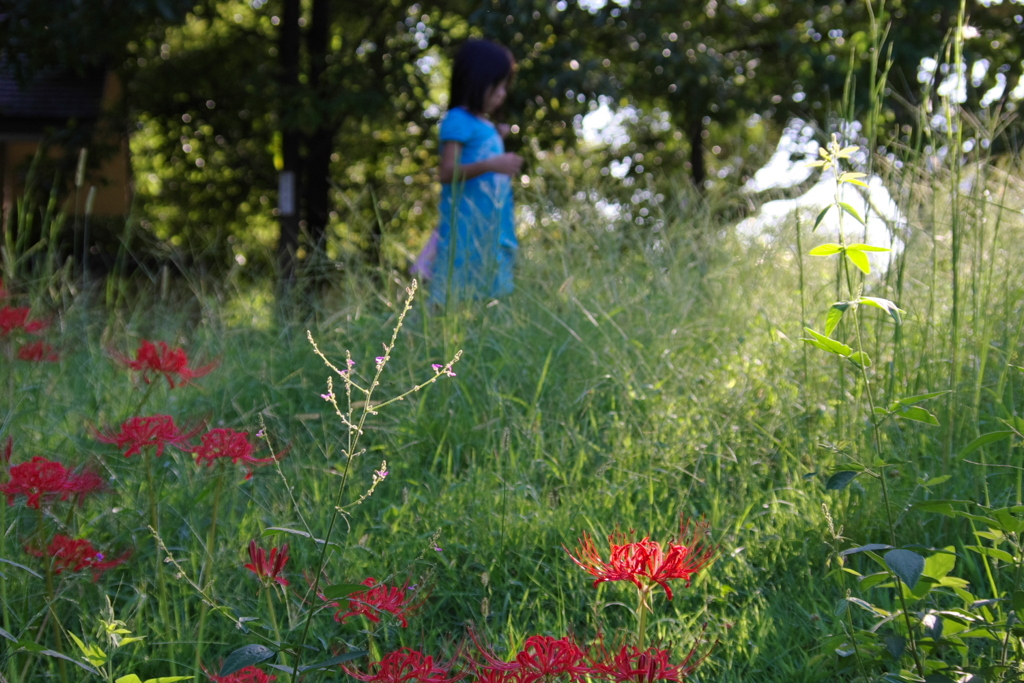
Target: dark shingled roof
{"points": [[51, 98]]}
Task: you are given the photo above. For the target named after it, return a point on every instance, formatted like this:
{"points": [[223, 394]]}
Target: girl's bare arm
{"points": [[508, 164]]}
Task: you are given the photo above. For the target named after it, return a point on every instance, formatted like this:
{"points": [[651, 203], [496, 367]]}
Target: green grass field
{"points": [[633, 377]]}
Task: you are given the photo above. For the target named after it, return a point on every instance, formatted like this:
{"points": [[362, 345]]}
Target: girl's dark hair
{"points": [[479, 64]]}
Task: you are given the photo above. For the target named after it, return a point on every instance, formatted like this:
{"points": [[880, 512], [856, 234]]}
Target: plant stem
{"points": [[641, 618], [211, 542], [161, 581]]}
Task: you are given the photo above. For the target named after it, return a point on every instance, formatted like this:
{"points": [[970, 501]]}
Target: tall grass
{"points": [[633, 376]]}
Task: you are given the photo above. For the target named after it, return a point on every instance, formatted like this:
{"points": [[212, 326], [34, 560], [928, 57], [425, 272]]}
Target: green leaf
{"points": [[835, 314], [896, 645], [8, 636], [994, 553], [826, 344], [984, 440], [130, 678], [1018, 602], [247, 655], [934, 481], [829, 249], [859, 183], [57, 655], [821, 217], [93, 653], [865, 548], [911, 400], [274, 530], [872, 580], [941, 507], [883, 304], [852, 211], [22, 567], [859, 259], [940, 564], [860, 359], [917, 414], [867, 247], [840, 480], [340, 591], [905, 564]]}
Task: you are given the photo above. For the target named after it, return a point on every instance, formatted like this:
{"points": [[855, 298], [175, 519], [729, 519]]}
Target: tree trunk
{"points": [[289, 184], [696, 135], [319, 144]]}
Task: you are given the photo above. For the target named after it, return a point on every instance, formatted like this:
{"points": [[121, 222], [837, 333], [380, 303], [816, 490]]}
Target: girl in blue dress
{"points": [[476, 239]]}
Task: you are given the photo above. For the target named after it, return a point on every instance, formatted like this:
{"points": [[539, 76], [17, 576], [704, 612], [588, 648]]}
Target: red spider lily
{"points": [[646, 563], [151, 361], [268, 568], [631, 665], [405, 665], [16, 318], [75, 555], [38, 352], [227, 443], [380, 598], [542, 658], [138, 432], [249, 674], [41, 479]]}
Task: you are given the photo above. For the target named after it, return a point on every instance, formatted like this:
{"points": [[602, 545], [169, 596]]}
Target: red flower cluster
{"points": [[75, 555], [380, 598], [139, 432], [227, 443], [646, 563], [249, 674], [630, 665], [12, 319], [160, 359], [542, 658], [268, 568], [405, 666], [41, 479], [38, 352]]}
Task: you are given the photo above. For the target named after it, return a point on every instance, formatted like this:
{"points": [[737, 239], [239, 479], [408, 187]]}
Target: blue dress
{"points": [[477, 244]]}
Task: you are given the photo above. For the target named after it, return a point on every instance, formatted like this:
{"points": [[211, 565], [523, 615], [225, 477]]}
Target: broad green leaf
{"points": [[93, 653], [340, 591], [826, 344], [867, 247], [845, 152], [840, 480], [852, 211], [861, 359], [883, 304], [829, 249], [821, 216], [896, 645], [984, 440], [916, 413], [940, 564], [905, 564], [864, 604], [130, 678], [987, 521], [247, 655], [835, 314], [851, 175], [859, 259], [1009, 523]]}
